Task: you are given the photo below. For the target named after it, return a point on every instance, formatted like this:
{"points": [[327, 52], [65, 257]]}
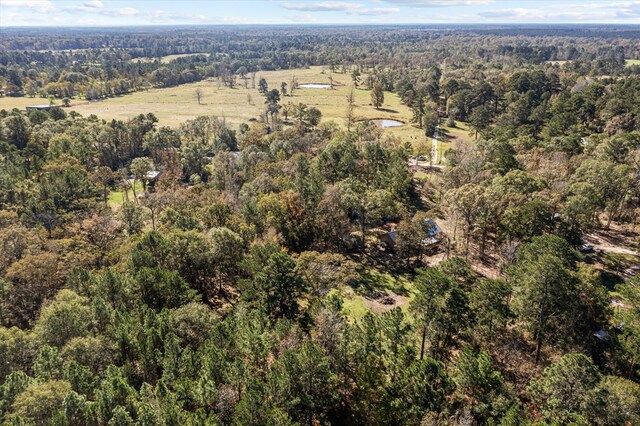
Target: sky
{"points": [[201, 12]]}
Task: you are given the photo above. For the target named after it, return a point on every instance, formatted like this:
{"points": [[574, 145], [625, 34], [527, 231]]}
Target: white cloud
{"points": [[100, 12], [629, 10], [376, 11], [96, 4], [338, 6], [576, 12], [91, 6], [122, 11], [162, 17], [40, 6], [439, 3], [323, 6], [303, 18]]}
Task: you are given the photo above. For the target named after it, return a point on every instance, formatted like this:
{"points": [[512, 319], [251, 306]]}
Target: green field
{"points": [[116, 198], [174, 105], [630, 62]]}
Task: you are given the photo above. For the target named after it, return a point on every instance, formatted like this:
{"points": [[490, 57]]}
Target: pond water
{"points": [[314, 86], [389, 123]]}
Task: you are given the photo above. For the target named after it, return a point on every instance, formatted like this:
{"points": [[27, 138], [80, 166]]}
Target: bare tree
{"points": [[242, 72], [124, 183], [351, 106], [349, 115], [231, 80], [104, 176], [351, 96], [287, 109], [199, 95], [377, 94], [155, 202]]}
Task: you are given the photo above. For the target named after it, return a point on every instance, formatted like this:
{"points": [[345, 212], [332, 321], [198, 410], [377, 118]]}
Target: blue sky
{"points": [[167, 12]]}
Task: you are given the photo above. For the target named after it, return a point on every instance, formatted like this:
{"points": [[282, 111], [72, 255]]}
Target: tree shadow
{"points": [[416, 197], [444, 135], [380, 275], [389, 110], [614, 268], [375, 283], [611, 280]]}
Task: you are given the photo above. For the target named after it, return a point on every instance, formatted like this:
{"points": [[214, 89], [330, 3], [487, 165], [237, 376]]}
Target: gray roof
{"points": [[432, 231]]}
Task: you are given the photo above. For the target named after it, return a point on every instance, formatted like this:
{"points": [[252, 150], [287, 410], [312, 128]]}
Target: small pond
{"points": [[314, 86], [389, 123]]}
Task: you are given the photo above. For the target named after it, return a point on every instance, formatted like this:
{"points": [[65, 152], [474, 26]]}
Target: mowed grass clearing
{"points": [[630, 62], [174, 105], [116, 198], [9, 102]]}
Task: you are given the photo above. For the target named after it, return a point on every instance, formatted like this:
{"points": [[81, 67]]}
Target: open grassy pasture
{"points": [[9, 103], [174, 105]]}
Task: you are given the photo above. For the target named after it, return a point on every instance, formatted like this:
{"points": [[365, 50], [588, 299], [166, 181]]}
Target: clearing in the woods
{"points": [[174, 105]]}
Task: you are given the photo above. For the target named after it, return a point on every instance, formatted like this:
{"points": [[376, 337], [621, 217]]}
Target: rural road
{"points": [[434, 160], [434, 144], [601, 244]]}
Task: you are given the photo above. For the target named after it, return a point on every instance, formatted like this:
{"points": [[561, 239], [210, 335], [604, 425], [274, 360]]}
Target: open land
{"points": [[174, 105]]}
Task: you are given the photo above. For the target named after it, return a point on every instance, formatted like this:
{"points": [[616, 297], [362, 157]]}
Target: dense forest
{"points": [[68, 62], [217, 289]]}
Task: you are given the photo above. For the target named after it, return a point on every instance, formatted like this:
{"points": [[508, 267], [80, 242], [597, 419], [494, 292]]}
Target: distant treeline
{"points": [[78, 62]]}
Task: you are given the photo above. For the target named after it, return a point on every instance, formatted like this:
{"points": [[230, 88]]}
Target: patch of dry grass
{"points": [[168, 58], [10, 103]]}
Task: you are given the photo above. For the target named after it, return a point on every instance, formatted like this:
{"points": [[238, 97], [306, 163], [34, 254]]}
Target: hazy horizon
{"points": [[110, 13]]}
